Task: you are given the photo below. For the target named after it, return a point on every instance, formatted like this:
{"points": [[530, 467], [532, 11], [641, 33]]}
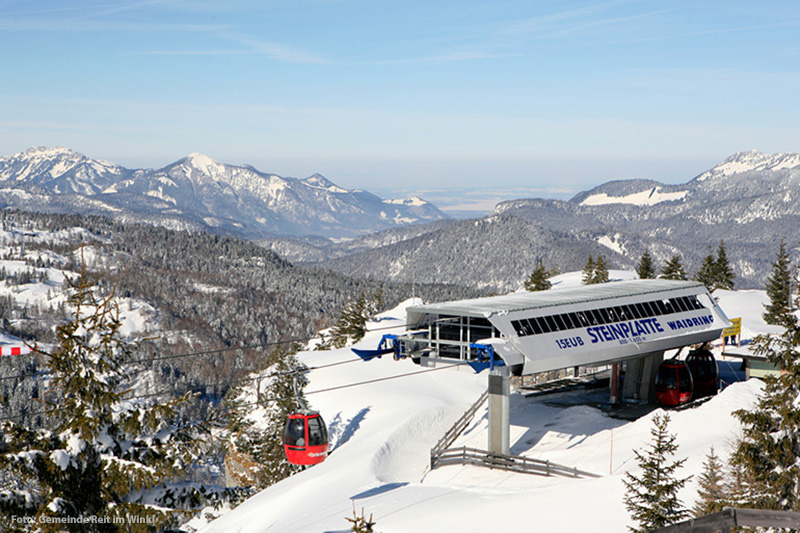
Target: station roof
{"points": [[520, 301]]}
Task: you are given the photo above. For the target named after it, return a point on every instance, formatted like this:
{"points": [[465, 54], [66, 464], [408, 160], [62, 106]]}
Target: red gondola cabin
{"points": [[673, 383], [305, 440], [705, 372]]}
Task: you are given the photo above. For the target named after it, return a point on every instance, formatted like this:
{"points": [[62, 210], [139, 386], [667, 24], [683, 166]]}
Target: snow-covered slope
{"points": [[58, 170], [656, 195], [43, 286], [750, 161], [383, 432], [203, 193]]}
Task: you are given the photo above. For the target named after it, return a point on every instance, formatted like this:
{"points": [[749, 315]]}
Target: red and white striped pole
{"points": [[15, 350]]}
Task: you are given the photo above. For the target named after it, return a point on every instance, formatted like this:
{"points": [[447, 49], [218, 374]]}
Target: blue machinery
{"points": [[404, 348]]}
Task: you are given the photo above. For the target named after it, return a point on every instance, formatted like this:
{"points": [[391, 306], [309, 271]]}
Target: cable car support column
{"points": [[499, 429]]}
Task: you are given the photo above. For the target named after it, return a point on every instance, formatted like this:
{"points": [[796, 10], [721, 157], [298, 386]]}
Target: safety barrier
{"points": [[509, 463], [456, 429]]}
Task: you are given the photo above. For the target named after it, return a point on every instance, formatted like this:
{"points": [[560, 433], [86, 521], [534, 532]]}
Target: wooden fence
{"points": [[509, 463]]}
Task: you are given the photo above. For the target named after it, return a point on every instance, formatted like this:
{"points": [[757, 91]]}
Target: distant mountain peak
{"points": [[319, 181], [202, 163], [749, 161]]}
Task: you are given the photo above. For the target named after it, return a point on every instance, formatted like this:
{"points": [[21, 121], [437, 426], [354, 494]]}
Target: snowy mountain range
{"points": [[197, 192], [750, 201]]}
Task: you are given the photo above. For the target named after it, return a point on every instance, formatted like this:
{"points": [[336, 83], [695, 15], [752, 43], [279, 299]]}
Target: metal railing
{"points": [[509, 463], [456, 429]]}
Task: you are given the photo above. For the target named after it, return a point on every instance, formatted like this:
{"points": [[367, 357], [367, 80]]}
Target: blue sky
{"points": [[541, 97]]}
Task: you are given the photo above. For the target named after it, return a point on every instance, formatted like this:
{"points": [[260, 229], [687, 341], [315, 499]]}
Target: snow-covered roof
{"points": [[520, 301]]}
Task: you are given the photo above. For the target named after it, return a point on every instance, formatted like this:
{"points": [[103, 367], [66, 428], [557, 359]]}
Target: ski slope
{"points": [[382, 433]]}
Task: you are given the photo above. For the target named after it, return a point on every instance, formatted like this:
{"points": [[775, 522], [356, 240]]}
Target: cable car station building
{"points": [[530, 332], [533, 332]]}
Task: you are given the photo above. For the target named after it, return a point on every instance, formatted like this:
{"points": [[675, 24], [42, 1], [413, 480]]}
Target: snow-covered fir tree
{"points": [[645, 268], [258, 411], [109, 451], [768, 453], [779, 287], [352, 323], [652, 497], [673, 269]]}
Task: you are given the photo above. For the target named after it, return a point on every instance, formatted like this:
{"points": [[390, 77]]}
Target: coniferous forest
{"points": [[221, 306]]}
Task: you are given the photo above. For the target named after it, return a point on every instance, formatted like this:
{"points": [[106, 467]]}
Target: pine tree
{"points": [[768, 453], [652, 498], [352, 323], [723, 272], [646, 269], [712, 490], [600, 270], [107, 451], [257, 414], [779, 287], [740, 487], [595, 271], [587, 276], [707, 275], [673, 269], [539, 279]]}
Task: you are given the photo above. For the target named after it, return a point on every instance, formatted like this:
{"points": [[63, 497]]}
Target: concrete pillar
{"points": [[499, 432], [640, 376]]}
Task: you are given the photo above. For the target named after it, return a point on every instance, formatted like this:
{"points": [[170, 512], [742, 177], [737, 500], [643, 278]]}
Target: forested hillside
{"points": [[208, 295]]}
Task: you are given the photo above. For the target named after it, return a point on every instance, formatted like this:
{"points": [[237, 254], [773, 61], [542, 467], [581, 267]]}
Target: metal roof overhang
{"points": [[595, 344]]}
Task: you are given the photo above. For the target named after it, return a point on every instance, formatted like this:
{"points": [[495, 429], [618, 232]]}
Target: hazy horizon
{"points": [[423, 94]]}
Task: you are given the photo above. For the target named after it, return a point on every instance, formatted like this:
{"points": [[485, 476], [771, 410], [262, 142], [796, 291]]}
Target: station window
{"points": [[592, 317], [677, 303]]}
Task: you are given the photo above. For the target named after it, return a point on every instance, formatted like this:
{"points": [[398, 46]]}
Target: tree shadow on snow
{"points": [[378, 490], [341, 432]]}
